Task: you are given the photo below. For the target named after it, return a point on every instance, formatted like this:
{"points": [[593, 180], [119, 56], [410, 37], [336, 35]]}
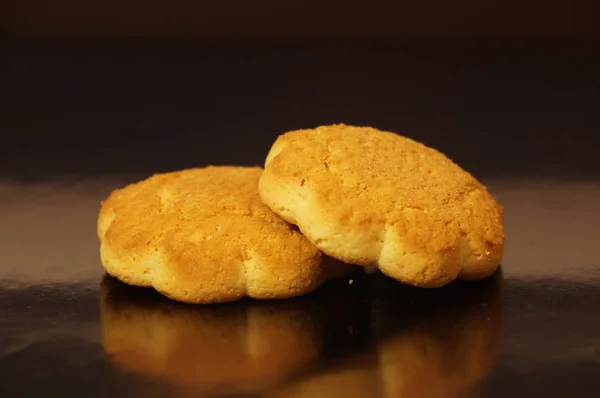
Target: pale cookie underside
{"points": [[375, 198], [203, 236]]}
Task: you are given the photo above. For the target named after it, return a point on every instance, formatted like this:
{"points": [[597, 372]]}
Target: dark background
{"points": [[436, 19], [141, 86]]}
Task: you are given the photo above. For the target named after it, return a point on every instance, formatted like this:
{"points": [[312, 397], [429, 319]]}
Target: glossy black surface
{"points": [[78, 121]]}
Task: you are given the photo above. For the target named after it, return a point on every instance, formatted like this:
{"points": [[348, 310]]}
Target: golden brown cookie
{"points": [[202, 236], [375, 198]]}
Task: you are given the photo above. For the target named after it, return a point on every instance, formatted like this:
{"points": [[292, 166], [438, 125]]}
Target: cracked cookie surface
{"points": [[375, 198], [203, 235]]}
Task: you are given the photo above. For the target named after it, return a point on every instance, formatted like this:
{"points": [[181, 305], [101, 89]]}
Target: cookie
{"points": [[204, 236], [375, 198]]}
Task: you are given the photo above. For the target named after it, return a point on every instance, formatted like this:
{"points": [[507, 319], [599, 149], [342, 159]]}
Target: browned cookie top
{"points": [[203, 235], [371, 197]]}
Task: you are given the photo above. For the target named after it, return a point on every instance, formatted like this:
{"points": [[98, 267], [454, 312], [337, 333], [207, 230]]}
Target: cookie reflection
{"points": [[425, 343], [238, 348]]}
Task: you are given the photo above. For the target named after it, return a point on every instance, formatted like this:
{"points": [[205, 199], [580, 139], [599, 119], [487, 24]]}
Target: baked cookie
{"points": [[375, 198], [202, 236]]}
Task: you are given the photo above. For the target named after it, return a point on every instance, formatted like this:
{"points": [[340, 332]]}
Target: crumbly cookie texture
{"points": [[203, 235], [375, 198]]}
